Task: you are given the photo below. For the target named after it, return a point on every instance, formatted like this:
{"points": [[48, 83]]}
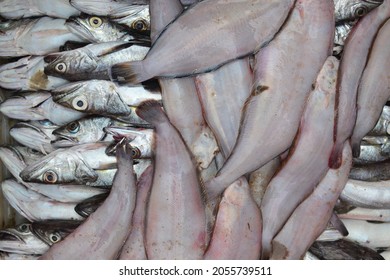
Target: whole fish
{"points": [[175, 220], [27, 74], [353, 9], [36, 135], [38, 36], [375, 171], [358, 44], [34, 8], [180, 49], [271, 115], [95, 237], [38, 106], [372, 96], [93, 61]]}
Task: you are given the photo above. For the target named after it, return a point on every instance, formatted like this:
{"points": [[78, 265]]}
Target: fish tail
{"points": [[356, 149], [151, 111], [129, 72], [335, 156]]}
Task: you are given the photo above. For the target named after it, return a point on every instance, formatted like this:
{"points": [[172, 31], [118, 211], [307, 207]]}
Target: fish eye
{"points": [[80, 103], [360, 11], [60, 67], [23, 228], [73, 127], [135, 152], [139, 25], [50, 177], [95, 22], [45, 122], [33, 151], [54, 237]]}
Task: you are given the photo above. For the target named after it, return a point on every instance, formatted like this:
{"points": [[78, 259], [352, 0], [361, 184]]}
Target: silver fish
{"points": [[382, 126], [375, 171], [353, 9], [13, 256], [25, 154], [341, 33], [373, 153]]}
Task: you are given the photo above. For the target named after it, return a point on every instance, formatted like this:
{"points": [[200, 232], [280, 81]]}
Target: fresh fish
{"points": [[366, 214], [93, 61], [353, 9], [382, 126], [12, 9], [341, 33], [9, 153], [134, 247], [27, 74], [95, 237], [374, 87], [374, 140], [311, 217], [14, 257], [180, 50], [38, 36], [343, 250], [105, 7], [36, 135], [375, 195], [112, 99], [358, 44], [38, 106], [272, 114], [34, 206], [88, 206], [54, 231], [175, 220], [72, 45], [98, 29], [375, 171], [373, 153], [237, 230]]}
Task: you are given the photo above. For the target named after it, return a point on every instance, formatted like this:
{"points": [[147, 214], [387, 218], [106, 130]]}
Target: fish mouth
{"points": [[79, 29], [13, 150], [63, 91], [63, 140], [7, 235], [22, 125]]}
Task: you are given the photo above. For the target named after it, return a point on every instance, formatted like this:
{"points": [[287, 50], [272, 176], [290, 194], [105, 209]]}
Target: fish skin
{"points": [[313, 214], [134, 247], [53, 231], [375, 171], [95, 237], [105, 7], [358, 44], [341, 33], [308, 155], [237, 230], [88, 206], [21, 153], [353, 9], [170, 233], [372, 96], [367, 214], [11, 256], [223, 18], [373, 153], [381, 127], [269, 114]]}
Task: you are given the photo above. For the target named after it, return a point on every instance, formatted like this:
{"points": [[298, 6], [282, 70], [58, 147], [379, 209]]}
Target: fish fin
{"points": [[129, 72], [356, 149], [152, 85], [151, 111], [335, 156]]}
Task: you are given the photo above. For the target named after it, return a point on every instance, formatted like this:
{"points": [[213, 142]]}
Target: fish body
{"points": [[375, 171], [341, 33], [373, 153], [381, 127], [353, 9]]}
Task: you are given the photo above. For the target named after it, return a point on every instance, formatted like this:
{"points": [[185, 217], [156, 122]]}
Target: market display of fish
{"points": [[214, 129]]}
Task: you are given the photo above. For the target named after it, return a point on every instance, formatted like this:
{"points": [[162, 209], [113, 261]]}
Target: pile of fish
{"points": [[215, 129]]}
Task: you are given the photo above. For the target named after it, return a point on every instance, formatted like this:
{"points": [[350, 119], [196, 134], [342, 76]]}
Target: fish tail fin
{"points": [[132, 72], [151, 111], [356, 149], [335, 156]]}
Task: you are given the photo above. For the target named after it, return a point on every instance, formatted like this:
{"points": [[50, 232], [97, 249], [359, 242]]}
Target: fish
{"points": [[308, 155], [237, 231], [371, 172], [353, 9], [27, 74], [372, 96], [54, 231], [176, 224], [134, 247], [382, 126], [373, 153], [98, 29], [95, 237], [313, 214], [12, 256], [341, 33], [105, 7], [366, 214], [12, 9], [9, 153], [38, 106], [180, 49], [86, 207], [38, 36], [93, 61], [36, 135], [358, 44], [34, 206]]}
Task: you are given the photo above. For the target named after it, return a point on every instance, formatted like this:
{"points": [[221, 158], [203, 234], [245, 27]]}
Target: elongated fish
{"points": [[374, 87], [180, 49], [272, 114], [357, 45], [96, 237], [175, 220]]}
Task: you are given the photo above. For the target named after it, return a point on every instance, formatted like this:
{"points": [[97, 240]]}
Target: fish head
{"points": [[82, 131], [12, 159], [136, 17], [58, 167], [354, 9], [54, 231], [70, 65], [82, 96], [21, 240]]}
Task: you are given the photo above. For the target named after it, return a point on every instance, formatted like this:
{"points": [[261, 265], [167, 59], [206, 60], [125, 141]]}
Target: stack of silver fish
{"points": [[245, 129]]}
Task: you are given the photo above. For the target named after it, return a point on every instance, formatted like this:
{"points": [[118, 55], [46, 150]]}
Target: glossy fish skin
{"points": [[223, 18], [170, 233], [358, 44], [37, 36], [105, 7], [95, 238], [382, 126], [353, 9], [88, 206], [341, 33], [373, 153], [18, 153], [375, 171], [270, 119], [237, 231], [92, 61], [11, 256], [374, 87], [308, 155], [311, 217], [53, 231]]}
